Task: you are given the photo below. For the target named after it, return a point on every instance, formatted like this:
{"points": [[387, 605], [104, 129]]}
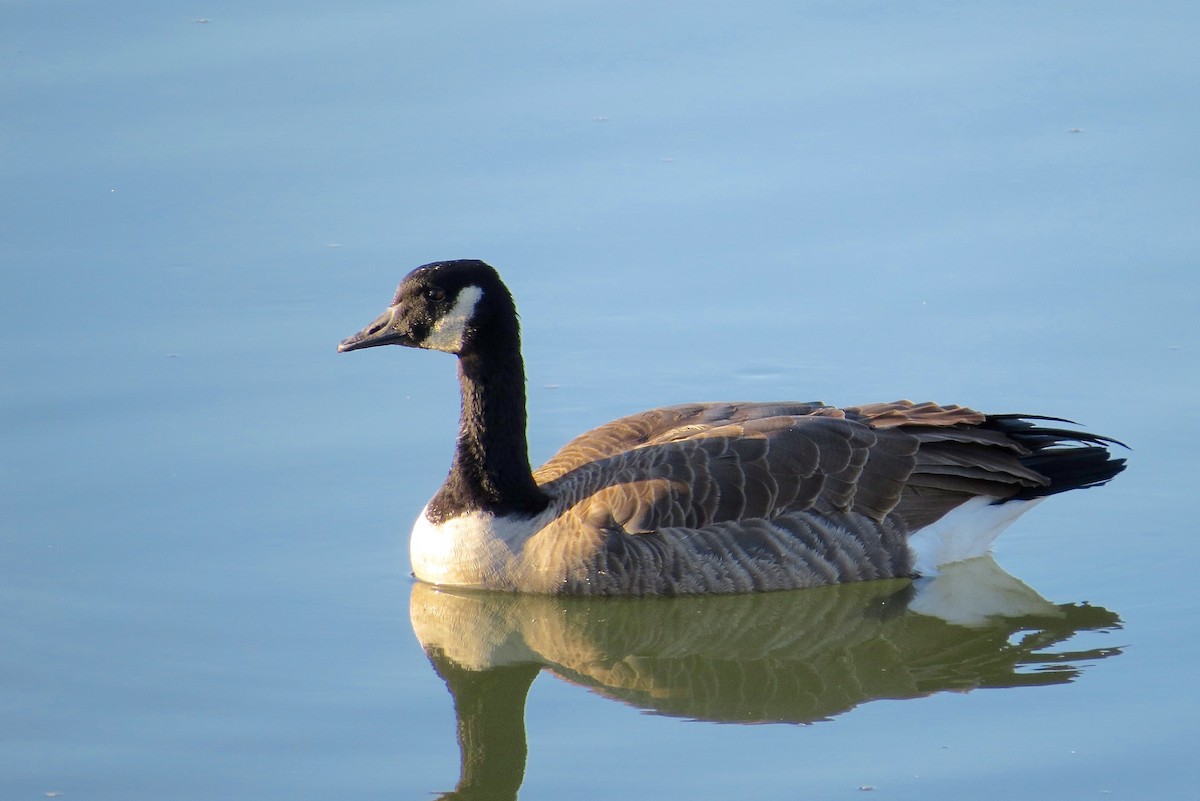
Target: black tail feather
{"points": [[1068, 459]]}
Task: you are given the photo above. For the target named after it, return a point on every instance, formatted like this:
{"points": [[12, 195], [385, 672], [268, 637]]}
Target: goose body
{"points": [[707, 497]]}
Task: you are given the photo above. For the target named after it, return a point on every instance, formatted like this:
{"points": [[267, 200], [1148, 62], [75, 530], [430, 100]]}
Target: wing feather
{"points": [[701, 464], [695, 466]]}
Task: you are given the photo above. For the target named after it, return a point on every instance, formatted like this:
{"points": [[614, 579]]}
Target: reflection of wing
{"points": [[795, 656], [699, 464], [776, 657]]}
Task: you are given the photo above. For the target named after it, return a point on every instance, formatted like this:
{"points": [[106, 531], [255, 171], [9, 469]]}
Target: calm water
{"points": [[204, 509]]}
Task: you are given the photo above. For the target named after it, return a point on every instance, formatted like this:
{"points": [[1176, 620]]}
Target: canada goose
{"points": [[706, 497]]}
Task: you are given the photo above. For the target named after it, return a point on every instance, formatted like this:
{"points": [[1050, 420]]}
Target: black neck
{"points": [[491, 471]]}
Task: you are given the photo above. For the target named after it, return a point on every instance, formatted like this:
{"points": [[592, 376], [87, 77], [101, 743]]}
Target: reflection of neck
{"points": [[490, 707]]}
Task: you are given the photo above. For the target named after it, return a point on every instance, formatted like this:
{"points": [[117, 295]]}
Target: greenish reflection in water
{"points": [[788, 657]]}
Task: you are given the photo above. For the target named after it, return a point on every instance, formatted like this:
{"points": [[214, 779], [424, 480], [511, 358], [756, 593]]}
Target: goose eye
{"points": [[435, 294]]}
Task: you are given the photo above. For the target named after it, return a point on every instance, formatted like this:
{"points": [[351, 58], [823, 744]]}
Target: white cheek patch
{"points": [[447, 333]]}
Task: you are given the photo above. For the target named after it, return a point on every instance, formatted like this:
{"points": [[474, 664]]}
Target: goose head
{"points": [[451, 306]]}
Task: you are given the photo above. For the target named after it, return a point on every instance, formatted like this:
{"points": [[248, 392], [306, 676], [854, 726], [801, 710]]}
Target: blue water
{"points": [[204, 509]]}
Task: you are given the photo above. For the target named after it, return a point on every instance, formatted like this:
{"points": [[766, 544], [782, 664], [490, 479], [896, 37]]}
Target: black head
{"points": [[446, 305]]}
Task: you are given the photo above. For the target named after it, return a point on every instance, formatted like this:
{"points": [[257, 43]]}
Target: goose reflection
{"points": [[789, 657]]}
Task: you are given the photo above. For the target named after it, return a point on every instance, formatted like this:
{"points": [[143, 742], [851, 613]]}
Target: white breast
{"points": [[473, 550]]}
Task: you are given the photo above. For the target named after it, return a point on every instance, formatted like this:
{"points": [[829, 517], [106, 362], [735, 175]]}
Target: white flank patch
{"points": [[472, 550], [447, 333], [966, 532]]}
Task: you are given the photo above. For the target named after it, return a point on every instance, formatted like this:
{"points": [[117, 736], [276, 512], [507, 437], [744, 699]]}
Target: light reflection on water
{"points": [[789, 657]]}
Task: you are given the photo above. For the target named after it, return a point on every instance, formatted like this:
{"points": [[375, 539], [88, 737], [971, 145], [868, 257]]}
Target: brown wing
{"points": [[962, 454], [659, 425], [703, 464], [699, 464]]}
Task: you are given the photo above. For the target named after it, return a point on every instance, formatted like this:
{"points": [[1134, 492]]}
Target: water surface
{"points": [[204, 509]]}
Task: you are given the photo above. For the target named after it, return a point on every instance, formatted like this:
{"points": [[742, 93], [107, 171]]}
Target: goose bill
{"points": [[384, 330]]}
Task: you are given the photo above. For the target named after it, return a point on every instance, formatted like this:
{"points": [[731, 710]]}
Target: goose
{"points": [[707, 497]]}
